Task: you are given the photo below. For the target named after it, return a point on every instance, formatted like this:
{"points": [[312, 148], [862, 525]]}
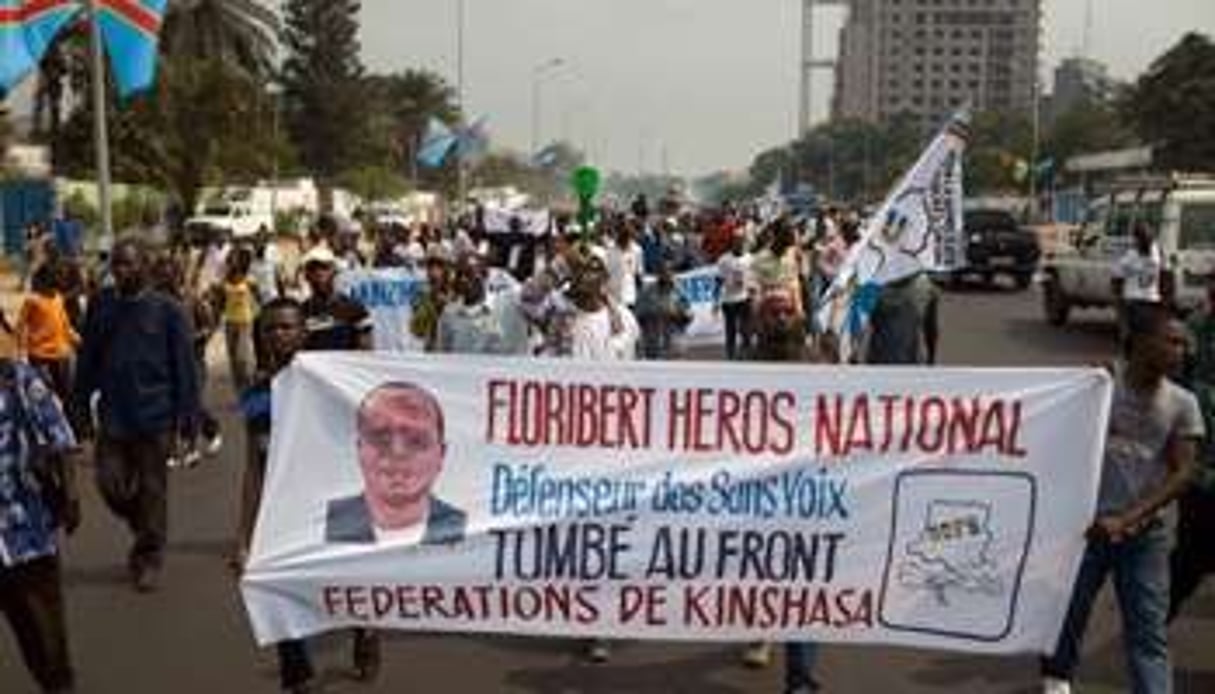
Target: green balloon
{"points": [[586, 182]]}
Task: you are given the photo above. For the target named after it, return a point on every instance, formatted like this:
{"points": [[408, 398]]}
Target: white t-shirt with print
{"points": [[1140, 275], [736, 281]]}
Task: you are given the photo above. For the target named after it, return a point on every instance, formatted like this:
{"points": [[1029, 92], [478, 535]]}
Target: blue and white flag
{"points": [[436, 144], [131, 30], [474, 141], [918, 228], [27, 28]]}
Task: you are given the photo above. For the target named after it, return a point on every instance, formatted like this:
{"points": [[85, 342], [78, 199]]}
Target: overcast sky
{"points": [[708, 82]]}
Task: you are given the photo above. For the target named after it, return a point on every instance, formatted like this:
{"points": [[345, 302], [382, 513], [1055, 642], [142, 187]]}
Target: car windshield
{"points": [[217, 210], [1198, 225]]}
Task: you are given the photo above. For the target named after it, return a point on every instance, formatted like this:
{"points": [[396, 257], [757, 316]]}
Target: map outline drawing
{"points": [[924, 567], [949, 551]]}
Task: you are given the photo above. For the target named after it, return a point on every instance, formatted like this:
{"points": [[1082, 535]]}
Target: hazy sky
{"points": [[708, 82]]}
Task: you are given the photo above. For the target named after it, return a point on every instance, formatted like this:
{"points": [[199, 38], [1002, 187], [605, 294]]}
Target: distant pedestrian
{"points": [[45, 335], [1140, 279], [136, 354], [663, 314], [37, 497], [736, 291], [240, 299]]}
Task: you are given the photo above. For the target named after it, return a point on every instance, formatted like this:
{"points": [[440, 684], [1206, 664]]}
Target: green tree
{"points": [[239, 33], [1172, 105], [999, 152], [1087, 127], [204, 122], [375, 183], [325, 108]]}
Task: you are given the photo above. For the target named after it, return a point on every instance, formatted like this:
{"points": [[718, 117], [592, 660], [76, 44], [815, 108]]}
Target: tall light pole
{"points": [[538, 74], [275, 92], [100, 126], [461, 174]]}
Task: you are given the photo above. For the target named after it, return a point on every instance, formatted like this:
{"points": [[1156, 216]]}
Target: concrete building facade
{"points": [[927, 57]]}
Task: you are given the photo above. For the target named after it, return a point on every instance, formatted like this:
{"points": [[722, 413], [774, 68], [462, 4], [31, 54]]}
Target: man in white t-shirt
{"points": [[737, 288], [624, 262], [1139, 279], [599, 330]]}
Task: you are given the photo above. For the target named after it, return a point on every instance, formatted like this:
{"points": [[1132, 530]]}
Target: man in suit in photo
{"points": [[401, 448]]}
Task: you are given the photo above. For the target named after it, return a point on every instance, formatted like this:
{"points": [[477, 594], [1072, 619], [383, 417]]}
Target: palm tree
{"points": [[239, 33]]}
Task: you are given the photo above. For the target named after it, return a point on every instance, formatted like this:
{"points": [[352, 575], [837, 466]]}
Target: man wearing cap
{"points": [[333, 321]]}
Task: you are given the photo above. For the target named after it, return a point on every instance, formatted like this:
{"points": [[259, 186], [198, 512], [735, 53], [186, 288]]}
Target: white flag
{"points": [[917, 228]]}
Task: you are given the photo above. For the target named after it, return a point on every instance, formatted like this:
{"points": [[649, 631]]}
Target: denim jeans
{"points": [[1141, 581], [800, 657], [738, 329]]}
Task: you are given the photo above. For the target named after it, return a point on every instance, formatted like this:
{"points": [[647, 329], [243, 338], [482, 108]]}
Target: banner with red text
{"points": [[941, 508]]}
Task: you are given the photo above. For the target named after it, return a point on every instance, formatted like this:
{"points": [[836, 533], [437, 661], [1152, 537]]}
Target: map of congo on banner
{"points": [[941, 508]]}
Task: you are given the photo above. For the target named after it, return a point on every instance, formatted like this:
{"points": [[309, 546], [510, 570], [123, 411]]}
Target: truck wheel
{"points": [[1023, 280], [1055, 303]]}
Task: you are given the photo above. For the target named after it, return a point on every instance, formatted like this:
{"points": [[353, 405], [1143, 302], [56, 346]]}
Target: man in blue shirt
{"points": [[138, 355], [37, 495]]}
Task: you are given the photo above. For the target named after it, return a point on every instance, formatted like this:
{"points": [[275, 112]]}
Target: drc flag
{"points": [[131, 30], [27, 28]]}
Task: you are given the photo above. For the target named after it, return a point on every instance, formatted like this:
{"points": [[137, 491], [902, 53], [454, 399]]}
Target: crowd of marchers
{"points": [[112, 360]]}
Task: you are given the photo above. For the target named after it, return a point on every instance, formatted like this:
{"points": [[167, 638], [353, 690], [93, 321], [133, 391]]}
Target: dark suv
{"points": [[997, 245]]}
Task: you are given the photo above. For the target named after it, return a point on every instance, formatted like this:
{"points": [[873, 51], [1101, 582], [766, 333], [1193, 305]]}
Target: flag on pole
{"points": [[436, 144], [27, 28], [131, 30], [474, 141], [917, 228]]}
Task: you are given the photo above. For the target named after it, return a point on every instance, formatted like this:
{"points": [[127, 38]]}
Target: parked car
{"points": [[997, 245], [1180, 209]]}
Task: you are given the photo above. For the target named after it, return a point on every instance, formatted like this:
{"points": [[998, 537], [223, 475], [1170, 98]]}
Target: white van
{"points": [[1181, 208], [238, 219]]}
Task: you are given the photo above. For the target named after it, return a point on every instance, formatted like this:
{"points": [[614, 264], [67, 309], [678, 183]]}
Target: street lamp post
{"points": [[538, 74], [275, 91]]}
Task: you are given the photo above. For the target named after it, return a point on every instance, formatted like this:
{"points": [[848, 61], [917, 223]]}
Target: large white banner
{"points": [[941, 508]]}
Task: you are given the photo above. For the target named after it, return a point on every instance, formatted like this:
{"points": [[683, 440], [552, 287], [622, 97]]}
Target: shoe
{"points": [[147, 579], [191, 459], [214, 445], [758, 655], [599, 651], [1051, 685], [173, 462], [366, 656]]}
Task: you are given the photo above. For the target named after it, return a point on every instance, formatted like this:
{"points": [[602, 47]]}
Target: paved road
{"points": [[192, 636]]}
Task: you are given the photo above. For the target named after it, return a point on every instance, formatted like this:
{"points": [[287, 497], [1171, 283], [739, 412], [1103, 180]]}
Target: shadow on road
{"points": [[675, 675]]}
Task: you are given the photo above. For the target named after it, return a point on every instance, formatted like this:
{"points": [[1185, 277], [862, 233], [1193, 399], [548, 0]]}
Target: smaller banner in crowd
{"points": [[917, 228], [388, 294], [940, 508]]}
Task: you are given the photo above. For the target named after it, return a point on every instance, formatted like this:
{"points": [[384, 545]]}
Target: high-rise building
{"points": [[927, 57], [1080, 81]]}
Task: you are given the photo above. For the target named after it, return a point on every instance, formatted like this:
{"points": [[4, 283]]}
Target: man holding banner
{"points": [[1155, 426]]}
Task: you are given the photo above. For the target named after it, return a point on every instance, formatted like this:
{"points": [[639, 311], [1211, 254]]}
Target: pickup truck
{"points": [[997, 245], [1179, 208]]}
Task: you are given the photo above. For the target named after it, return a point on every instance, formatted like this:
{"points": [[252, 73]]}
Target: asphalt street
{"points": [[192, 636]]}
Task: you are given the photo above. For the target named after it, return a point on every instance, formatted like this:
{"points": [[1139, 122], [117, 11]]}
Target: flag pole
{"points": [[100, 126]]}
